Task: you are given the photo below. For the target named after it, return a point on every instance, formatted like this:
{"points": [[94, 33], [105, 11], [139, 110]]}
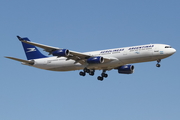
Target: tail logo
{"points": [[31, 50]]}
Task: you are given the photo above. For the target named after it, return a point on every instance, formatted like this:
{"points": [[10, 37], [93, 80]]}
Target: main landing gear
{"points": [[103, 75], [91, 72], [85, 70], [158, 61]]}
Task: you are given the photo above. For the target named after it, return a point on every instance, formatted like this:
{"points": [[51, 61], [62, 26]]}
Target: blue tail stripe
{"points": [[31, 51]]}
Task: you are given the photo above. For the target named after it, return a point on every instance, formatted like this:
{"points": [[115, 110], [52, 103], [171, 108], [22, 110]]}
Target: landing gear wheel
{"points": [[158, 65], [86, 70], [91, 73], [82, 73], [104, 75], [100, 78], [158, 61]]}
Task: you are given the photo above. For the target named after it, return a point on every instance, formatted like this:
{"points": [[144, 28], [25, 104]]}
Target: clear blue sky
{"points": [[150, 93]]}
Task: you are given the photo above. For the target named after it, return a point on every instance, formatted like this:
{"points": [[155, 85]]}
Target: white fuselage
{"points": [[118, 56]]}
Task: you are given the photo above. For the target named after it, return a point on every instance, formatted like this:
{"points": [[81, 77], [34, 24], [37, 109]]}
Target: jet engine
{"points": [[61, 52], [95, 60], [126, 69]]}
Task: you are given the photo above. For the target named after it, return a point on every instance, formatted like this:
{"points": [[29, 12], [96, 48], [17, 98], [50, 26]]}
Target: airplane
{"points": [[119, 59]]}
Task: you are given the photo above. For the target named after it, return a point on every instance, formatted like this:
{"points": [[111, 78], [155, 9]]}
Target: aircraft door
{"points": [[155, 50]]}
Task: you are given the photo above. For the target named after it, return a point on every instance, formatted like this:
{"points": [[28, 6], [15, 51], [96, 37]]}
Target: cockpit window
{"points": [[167, 46]]}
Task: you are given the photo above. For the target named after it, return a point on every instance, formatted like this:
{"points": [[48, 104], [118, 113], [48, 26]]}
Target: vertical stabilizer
{"points": [[30, 50]]}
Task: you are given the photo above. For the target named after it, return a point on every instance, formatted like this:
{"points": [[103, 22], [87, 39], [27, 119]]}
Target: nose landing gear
{"points": [[158, 61]]}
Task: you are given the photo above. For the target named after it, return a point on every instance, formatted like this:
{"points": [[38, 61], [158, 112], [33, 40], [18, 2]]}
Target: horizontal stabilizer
{"points": [[21, 60]]}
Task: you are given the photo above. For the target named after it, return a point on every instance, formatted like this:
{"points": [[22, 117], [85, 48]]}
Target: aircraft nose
{"points": [[173, 51], [170, 51]]}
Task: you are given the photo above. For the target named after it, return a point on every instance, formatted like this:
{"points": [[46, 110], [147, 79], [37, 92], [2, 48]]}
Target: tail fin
{"points": [[30, 50]]}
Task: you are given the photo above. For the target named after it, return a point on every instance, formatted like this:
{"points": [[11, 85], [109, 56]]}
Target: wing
{"points": [[77, 56]]}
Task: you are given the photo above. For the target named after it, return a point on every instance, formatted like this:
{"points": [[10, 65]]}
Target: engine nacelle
{"points": [[61, 52], [126, 69], [95, 60]]}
